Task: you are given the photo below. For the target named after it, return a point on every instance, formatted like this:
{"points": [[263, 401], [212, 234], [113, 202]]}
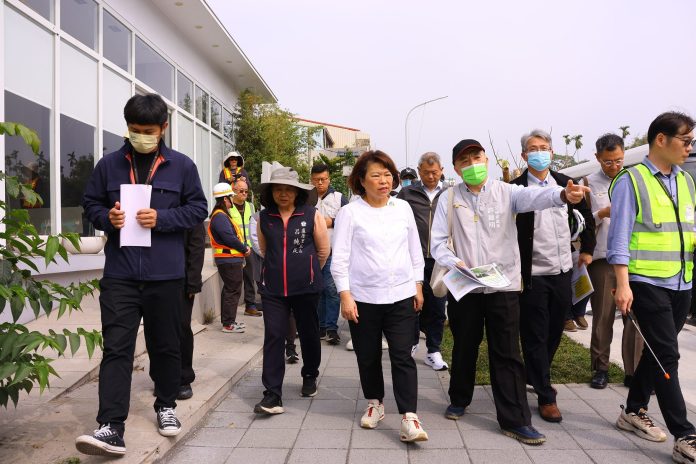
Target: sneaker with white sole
{"points": [[435, 361], [411, 429], [640, 424], [684, 450], [167, 423], [373, 414], [233, 328], [349, 345], [105, 441]]}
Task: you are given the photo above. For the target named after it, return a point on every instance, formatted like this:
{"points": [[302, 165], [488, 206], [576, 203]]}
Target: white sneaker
{"points": [[233, 328], [373, 414], [684, 450], [435, 361], [641, 425], [349, 345], [411, 429], [385, 346]]}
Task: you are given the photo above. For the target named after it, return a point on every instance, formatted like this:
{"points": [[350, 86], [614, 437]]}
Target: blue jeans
{"points": [[329, 303]]}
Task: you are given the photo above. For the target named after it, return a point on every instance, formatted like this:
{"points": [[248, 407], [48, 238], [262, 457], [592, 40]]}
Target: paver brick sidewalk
{"points": [[325, 429]]}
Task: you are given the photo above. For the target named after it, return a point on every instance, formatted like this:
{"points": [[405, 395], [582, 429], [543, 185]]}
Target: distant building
{"points": [[333, 139]]}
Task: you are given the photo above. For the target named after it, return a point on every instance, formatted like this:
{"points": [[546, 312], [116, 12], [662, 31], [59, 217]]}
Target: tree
{"points": [[578, 143], [21, 365], [265, 132], [563, 161], [624, 132], [638, 141], [567, 138]]}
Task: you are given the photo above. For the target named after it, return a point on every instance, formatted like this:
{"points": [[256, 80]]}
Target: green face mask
{"points": [[475, 174]]}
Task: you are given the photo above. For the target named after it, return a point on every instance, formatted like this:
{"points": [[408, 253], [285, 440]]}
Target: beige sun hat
{"points": [[286, 176]]}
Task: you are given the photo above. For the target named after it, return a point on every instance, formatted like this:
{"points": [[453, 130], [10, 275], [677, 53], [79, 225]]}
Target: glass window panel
{"points": [[185, 136], [76, 166], [228, 148], [203, 159], [78, 95], [227, 125], [201, 105], [168, 131], [117, 41], [215, 115], [79, 19], [216, 155], [20, 161], [116, 92], [112, 142], [36, 85], [43, 7], [153, 70], [184, 90]]}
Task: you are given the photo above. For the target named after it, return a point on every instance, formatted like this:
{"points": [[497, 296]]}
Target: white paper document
{"points": [[461, 281], [580, 283], [134, 197]]}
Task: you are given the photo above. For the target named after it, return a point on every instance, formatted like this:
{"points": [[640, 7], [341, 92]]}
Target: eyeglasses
{"points": [[241, 191], [610, 163], [687, 142], [535, 148], [320, 180]]}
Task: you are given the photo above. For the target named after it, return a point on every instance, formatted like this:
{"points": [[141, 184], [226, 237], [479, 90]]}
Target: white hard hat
{"points": [[223, 189]]}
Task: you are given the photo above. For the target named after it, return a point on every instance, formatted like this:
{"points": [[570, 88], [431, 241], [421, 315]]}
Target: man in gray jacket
{"points": [[484, 232]]}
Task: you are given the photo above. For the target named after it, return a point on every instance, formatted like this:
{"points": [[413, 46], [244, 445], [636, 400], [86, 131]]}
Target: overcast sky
{"points": [[573, 67]]}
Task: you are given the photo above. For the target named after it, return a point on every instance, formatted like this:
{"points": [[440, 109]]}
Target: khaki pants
{"points": [[603, 310]]}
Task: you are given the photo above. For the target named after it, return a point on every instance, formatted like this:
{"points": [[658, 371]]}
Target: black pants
{"points": [[500, 313], [276, 316], [249, 290], [543, 309], [661, 314], [187, 374], [396, 321], [432, 318], [232, 276], [123, 303]]}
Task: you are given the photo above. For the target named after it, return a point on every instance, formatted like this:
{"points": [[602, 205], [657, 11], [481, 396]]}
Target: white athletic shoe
{"points": [[435, 361], [373, 414], [411, 429], [641, 425]]}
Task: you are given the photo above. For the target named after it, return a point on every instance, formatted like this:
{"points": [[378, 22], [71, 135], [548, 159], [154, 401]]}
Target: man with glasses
{"points": [[650, 245], [610, 155], [328, 204], [545, 253], [241, 213]]}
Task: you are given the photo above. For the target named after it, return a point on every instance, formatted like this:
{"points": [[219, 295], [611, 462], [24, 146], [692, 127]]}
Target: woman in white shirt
{"points": [[378, 269]]}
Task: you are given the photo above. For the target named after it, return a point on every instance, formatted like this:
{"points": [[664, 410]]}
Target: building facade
{"points": [[69, 67], [332, 140]]}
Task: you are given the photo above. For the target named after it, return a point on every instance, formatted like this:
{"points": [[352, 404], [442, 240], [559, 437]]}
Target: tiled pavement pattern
{"points": [[325, 429]]}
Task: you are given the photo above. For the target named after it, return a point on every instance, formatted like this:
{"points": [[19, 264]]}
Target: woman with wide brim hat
{"points": [[295, 245], [233, 169]]}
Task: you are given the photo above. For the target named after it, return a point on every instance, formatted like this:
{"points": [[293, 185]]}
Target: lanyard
{"points": [[149, 172]]}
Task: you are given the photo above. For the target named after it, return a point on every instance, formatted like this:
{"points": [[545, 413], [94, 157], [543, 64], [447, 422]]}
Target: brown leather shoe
{"points": [[253, 312], [569, 326], [581, 322], [550, 412]]}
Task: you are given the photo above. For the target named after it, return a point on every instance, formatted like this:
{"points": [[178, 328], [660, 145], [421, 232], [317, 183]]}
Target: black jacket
{"points": [[423, 211], [525, 228], [194, 241]]}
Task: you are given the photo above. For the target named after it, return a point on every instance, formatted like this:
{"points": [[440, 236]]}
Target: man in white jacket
{"points": [[484, 232]]}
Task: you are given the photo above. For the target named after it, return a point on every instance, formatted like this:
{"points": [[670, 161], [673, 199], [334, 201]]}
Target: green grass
{"points": [[570, 365]]}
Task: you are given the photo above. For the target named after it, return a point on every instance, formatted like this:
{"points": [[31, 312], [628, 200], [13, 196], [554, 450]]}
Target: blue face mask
{"points": [[406, 182], [539, 160]]}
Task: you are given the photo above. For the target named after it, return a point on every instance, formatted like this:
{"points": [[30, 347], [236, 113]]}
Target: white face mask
{"points": [[143, 143]]}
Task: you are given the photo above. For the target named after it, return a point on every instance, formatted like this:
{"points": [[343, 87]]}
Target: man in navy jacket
{"points": [[141, 282]]}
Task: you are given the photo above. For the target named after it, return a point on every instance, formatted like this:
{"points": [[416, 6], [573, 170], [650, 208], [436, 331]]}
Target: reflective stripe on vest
{"points": [[229, 177], [242, 222], [662, 244], [219, 250]]}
